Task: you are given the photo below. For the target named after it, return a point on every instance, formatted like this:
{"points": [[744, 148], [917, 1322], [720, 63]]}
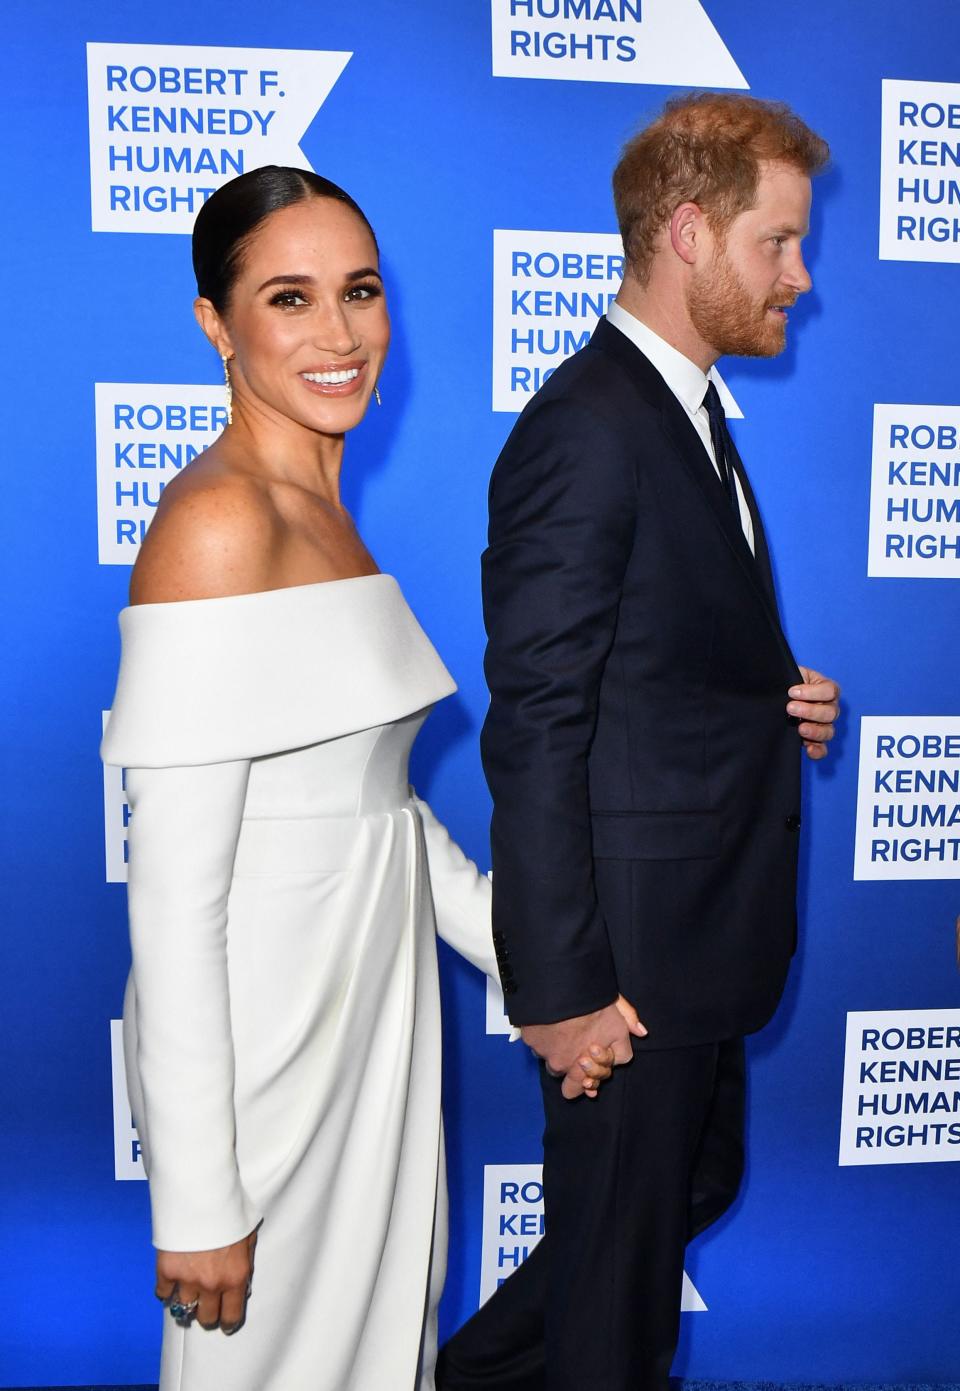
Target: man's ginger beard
{"points": [[724, 315]]}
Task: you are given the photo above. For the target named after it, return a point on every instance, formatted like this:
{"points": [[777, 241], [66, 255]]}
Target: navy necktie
{"points": [[722, 444]]}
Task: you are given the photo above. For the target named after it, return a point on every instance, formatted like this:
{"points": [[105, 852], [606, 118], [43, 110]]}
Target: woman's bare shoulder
{"points": [[215, 534]]}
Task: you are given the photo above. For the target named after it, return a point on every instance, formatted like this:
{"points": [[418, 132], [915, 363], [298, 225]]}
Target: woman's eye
{"points": [[288, 299], [362, 292]]}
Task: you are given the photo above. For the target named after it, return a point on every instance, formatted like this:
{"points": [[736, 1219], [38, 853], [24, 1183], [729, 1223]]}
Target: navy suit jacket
{"points": [[645, 775]]}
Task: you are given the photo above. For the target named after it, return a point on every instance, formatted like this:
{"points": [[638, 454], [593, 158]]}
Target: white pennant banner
{"points": [[169, 124], [669, 43]]}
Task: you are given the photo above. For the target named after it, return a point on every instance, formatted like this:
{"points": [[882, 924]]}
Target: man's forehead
{"points": [[783, 196], [778, 180]]}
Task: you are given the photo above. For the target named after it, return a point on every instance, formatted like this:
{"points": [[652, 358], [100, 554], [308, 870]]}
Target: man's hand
{"points": [[816, 704], [565, 1047]]}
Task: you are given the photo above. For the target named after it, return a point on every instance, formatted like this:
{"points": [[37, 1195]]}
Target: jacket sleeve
{"points": [[461, 896], [183, 836], [562, 523]]}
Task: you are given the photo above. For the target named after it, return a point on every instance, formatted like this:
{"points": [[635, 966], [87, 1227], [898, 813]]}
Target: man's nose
{"points": [[798, 277]]}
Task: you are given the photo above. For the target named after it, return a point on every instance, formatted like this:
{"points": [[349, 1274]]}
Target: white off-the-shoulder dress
{"points": [[282, 1022]]}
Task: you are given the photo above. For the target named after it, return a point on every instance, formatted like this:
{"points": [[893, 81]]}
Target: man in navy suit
{"points": [[643, 749]]}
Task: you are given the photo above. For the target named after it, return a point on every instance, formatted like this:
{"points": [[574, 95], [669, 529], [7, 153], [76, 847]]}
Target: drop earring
{"points": [[376, 392], [229, 387]]}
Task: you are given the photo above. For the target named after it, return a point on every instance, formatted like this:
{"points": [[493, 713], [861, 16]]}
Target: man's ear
{"points": [[687, 228], [214, 329]]}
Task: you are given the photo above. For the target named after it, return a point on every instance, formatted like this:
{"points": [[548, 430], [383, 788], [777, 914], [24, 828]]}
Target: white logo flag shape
{"points": [[918, 157], [170, 123], [668, 43]]}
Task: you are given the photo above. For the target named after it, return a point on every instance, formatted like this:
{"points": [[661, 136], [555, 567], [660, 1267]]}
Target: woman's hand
{"points": [[594, 1067], [211, 1284]]}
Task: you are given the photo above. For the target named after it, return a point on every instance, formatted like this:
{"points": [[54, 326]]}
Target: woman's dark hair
{"points": [[230, 216]]}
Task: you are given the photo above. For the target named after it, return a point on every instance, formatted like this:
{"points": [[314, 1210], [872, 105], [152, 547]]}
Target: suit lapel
{"points": [[682, 434]]}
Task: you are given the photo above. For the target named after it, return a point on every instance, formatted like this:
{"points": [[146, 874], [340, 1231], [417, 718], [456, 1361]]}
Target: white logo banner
{"points": [[146, 433], [169, 124], [901, 1087], [920, 171], [669, 43], [915, 492], [513, 1223], [908, 798], [549, 290]]}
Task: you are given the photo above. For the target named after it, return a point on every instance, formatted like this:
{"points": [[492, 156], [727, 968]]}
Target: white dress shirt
{"points": [[688, 384]]}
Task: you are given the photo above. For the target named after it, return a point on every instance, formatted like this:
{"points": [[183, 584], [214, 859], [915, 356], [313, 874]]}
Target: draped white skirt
{"points": [[335, 1014]]}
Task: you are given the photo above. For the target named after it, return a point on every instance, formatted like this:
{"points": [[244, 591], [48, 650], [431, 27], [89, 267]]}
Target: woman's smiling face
{"points": [[306, 325]]}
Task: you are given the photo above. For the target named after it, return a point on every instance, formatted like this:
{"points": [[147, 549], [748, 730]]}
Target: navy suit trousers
{"points": [[628, 1179]]}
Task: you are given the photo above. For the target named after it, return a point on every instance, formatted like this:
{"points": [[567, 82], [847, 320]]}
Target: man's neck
{"points": [[662, 310]]}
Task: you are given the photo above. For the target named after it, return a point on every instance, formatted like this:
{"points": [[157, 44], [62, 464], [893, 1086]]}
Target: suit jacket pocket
{"points": [[656, 835]]}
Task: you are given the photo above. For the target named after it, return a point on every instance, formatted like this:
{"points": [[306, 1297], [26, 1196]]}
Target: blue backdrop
{"points": [[824, 1270]]}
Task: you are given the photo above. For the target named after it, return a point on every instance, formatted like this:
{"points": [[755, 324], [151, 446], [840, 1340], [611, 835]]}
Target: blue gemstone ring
{"points": [[183, 1313]]}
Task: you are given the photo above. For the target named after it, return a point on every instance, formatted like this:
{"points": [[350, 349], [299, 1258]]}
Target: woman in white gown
{"points": [[282, 1026]]}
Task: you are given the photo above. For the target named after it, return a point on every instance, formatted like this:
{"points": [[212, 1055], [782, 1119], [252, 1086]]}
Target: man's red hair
{"points": [[705, 149]]}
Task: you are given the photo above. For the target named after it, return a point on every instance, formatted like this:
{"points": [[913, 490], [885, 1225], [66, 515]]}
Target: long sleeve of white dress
{"points": [[461, 896], [462, 899], [183, 836]]}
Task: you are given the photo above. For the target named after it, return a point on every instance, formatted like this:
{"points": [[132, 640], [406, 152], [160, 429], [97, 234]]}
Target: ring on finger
{"points": [[183, 1313]]}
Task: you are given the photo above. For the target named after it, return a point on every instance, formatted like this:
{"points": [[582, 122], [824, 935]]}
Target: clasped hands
{"points": [[585, 1050]]}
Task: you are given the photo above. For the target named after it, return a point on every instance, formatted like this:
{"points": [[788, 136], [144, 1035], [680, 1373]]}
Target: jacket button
{"points": [[509, 988], [793, 822], [498, 937]]}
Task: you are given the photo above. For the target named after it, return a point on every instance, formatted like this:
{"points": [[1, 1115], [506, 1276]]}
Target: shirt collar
{"points": [[683, 377]]}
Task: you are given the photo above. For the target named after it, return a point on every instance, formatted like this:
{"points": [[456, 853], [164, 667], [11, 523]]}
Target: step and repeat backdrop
{"points": [[479, 137]]}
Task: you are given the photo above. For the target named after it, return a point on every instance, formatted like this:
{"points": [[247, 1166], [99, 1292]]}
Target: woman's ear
{"points": [[213, 327]]}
